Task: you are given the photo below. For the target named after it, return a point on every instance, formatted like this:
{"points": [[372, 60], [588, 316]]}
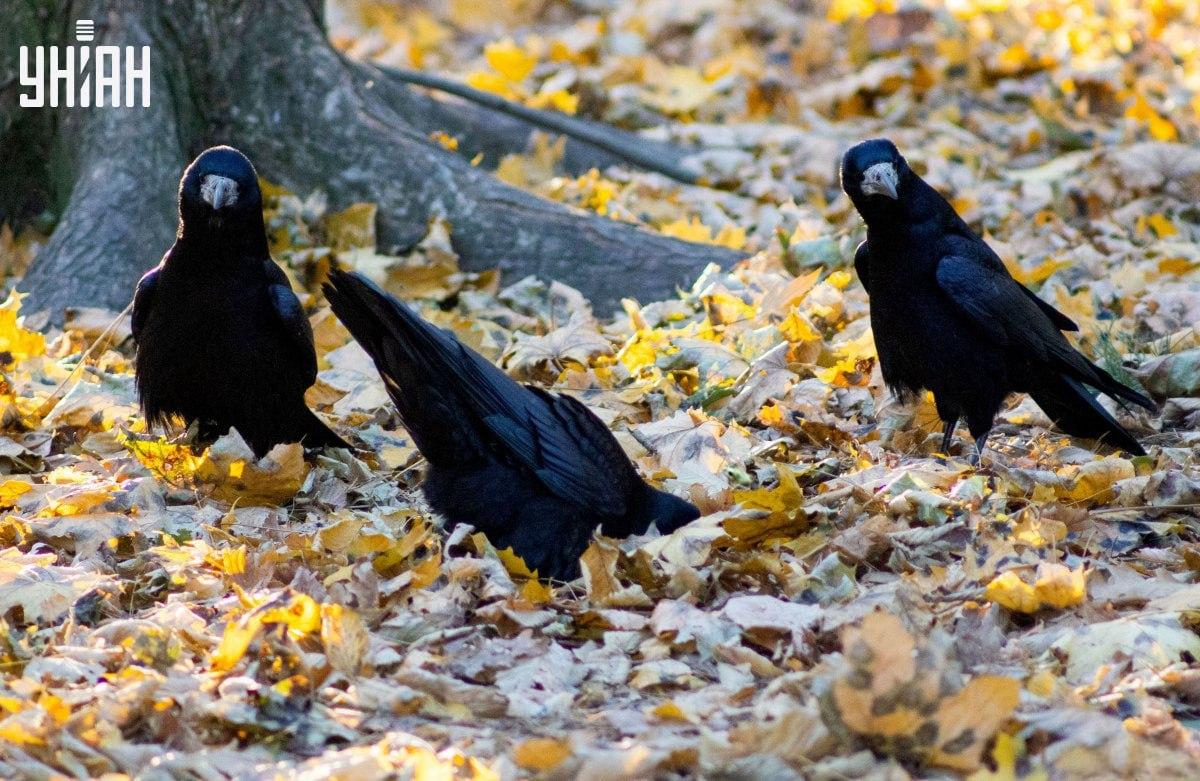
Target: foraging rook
{"points": [[948, 317], [534, 471], [221, 337]]}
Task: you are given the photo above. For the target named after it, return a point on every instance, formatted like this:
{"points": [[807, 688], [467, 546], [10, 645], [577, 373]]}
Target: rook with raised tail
{"points": [[534, 471]]}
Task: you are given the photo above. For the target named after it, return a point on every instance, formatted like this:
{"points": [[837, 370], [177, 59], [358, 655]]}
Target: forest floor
{"points": [[849, 606]]}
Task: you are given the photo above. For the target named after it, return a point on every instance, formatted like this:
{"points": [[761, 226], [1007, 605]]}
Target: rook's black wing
{"points": [[999, 307], [143, 300], [966, 244], [862, 264], [555, 438], [286, 307], [582, 461], [1061, 321]]}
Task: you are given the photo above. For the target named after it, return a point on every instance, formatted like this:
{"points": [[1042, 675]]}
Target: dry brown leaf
{"points": [[234, 475]]}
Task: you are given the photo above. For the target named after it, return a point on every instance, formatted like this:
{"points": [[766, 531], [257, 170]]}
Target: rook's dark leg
{"points": [[979, 422], [948, 435], [980, 445]]}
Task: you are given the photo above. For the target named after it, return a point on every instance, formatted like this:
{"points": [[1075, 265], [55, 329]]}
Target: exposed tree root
{"points": [[620, 145]]}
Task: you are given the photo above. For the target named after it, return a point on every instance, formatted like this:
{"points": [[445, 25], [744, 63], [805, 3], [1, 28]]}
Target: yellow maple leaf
{"points": [[1059, 586], [796, 327], [427, 32], [639, 352], [541, 754], [1078, 306], [352, 227], [234, 475], [16, 340], [427, 571], [1042, 684], [345, 638], [532, 589], [173, 463], [852, 370], [509, 60], [669, 711], [841, 10], [298, 612], [558, 99], [1161, 128], [596, 191], [494, 83], [784, 503], [1009, 591], [840, 279], [12, 489], [773, 415], [730, 236], [561, 51], [1175, 266], [1039, 273], [598, 564], [977, 711], [1055, 586], [14, 730], [55, 707], [1094, 481], [536, 591], [690, 229], [515, 565], [444, 139], [1039, 532], [1161, 224], [677, 89], [891, 688], [230, 561], [1004, 755]]}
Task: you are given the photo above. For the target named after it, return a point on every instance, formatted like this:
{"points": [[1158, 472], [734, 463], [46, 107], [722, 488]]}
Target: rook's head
{"points": [[220, 189], [875, 175]]}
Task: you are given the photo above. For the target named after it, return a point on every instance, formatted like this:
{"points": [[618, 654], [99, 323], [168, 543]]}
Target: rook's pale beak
{"points": [[881, 179], [218, 191]]}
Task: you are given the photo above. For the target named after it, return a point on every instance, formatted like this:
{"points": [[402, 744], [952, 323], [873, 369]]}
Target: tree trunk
{"points": [[115, 174], [261, 75]]}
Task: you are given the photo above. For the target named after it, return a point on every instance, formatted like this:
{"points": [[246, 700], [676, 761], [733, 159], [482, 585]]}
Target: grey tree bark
{"points": [[261, 75]]}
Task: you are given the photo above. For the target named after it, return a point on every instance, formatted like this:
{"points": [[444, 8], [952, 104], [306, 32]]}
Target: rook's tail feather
{"points": [[1077, 412], [1070, 362], [405, 351], [352, 302], [378, 325], [382, 324], [1110, 386]]}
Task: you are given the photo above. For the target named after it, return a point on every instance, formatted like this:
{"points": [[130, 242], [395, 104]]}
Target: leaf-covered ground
{"points": [[850, 606]]}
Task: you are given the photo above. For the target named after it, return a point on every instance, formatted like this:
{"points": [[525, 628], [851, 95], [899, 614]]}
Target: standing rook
{"points": [[948, 317], [534, 471], [221, 338]]}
